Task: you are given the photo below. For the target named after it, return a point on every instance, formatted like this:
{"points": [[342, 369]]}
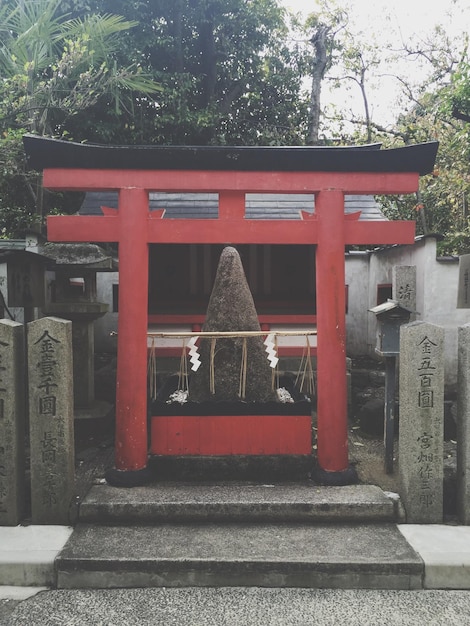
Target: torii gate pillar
{"points": [[131, 387], [332, 448]]}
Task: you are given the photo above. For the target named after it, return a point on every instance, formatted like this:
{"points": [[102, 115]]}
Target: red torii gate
{"points": [[134, 171]]}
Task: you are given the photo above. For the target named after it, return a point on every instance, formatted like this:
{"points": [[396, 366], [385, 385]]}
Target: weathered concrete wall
{"points": [[16, 312], [357, 280], [440, 307], [104, 326], [436, 293]]}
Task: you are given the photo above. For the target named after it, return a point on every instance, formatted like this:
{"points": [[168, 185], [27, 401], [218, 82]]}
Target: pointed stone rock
{"points": [[231, 308]]}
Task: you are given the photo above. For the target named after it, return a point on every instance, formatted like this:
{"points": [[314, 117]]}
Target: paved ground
{"points": [[243, 606]]}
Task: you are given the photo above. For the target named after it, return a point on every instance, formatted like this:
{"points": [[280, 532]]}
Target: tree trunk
{"points": [[320, 62]]}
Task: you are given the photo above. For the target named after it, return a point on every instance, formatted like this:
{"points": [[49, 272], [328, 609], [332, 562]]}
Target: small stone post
{"points": [[12, 423], [404, 286], [463, 293], [51, 419], [421, 434], [463, 425]]}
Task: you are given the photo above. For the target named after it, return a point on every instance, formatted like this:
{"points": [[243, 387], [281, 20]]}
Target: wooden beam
{"points": [[233, 231], [218, 181], [83, 228]]}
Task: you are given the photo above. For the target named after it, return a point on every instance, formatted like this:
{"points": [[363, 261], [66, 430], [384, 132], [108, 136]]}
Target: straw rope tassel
{"points": [[307, 374], [275, 372], [301, 367], [212, 366], [311, 380], [152, 370], [243, 370], [183, 373]]}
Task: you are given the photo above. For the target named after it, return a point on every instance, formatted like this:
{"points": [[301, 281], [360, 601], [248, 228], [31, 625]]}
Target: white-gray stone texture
{"points": [[463, 425], [421, 435], [51, 419], [12, 423], [404, 285]]}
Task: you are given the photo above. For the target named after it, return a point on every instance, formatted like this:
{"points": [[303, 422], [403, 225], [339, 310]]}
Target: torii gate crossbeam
{"points": [[134, 227]]}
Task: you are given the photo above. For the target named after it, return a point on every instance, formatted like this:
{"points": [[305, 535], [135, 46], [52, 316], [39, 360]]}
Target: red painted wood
{"points": [[80, 228], [332, 430], [131, 394], [231, 434], [83, 228], [134, 227], [232, 205], [379, 232], [247, 182]]}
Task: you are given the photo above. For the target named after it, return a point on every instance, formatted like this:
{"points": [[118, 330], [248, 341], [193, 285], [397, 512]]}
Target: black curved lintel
{"points": [[44, 152]]}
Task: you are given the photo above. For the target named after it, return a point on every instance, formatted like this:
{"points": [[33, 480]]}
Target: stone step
{"points": [[232, 502], [346, 556]]}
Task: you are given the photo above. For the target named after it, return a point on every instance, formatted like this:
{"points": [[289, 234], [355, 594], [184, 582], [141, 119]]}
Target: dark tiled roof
{"points": [[258, 206], [44, 152]]}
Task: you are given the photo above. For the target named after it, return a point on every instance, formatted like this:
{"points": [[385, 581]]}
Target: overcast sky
{"points": [[409, 15], [392, 21]]}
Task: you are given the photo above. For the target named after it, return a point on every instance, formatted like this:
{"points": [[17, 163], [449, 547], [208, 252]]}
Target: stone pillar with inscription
{"points": [[463, 426], [12, 423], [404, 286], [463, 297], [51, 419], [421, 434]]}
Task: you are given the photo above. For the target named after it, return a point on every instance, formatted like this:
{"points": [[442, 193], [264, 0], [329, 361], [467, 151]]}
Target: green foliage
{"points": [[443, 204], [54, 67], [227, 71], [17, 187]]}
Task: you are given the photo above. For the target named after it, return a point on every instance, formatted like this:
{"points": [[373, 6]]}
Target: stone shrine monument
{"points": [[231, 308], [421, 435]]}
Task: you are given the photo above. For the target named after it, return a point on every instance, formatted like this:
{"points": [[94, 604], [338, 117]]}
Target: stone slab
{"points": [[51, 420], [404, 285], [165, 502], [12, 423], [253, 606], [269, 555], [445, 551], [27, 554], [421, 433], [463, 293], [463, 424], [256, 469], [14, 592]]}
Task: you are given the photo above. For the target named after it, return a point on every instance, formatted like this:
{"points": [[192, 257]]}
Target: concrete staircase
{"points": [[180, 535]]}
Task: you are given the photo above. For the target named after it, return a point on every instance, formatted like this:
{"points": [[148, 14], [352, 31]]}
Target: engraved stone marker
{"points": [[12, 423], [422, 421], [51, 419], [463, 297], [463, 425], [404, 286]]}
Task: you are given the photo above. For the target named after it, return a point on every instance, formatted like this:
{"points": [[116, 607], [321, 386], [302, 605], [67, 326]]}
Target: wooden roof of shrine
{"points": [[43, 152]]}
